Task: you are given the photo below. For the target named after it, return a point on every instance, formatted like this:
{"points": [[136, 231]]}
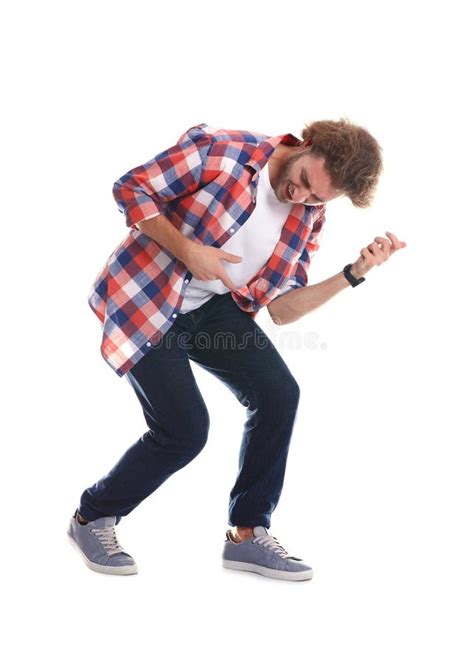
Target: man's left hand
{"points": [[376, 253]]}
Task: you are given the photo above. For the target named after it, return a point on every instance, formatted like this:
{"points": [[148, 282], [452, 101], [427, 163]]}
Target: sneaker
{"points": [[97, 543], [263, 554]]}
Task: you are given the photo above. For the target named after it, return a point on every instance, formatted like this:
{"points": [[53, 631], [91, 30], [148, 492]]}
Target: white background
{"points": [[378, 490]]}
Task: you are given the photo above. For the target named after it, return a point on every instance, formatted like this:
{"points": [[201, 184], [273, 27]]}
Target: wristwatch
{"points": [[350, 277]]}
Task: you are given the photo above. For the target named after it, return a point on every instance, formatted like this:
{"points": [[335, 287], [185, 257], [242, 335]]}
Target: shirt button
{"points": [[186, 281], [232, 230], [174, 315], [148, 343]]}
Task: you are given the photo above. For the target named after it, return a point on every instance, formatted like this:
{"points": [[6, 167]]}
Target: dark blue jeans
{"points": [[228, 343]]}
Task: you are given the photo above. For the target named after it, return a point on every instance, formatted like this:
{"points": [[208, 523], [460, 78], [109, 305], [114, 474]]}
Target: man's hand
{"points": [[376, 253], [206, 263]]}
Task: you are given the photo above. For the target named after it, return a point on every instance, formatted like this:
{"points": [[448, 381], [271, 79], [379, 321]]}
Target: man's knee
{"points": [[186, 434], [280, 392], [289, 391]]}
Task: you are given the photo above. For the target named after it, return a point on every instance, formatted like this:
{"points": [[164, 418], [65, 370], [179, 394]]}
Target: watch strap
{"points": [[354, 281]]}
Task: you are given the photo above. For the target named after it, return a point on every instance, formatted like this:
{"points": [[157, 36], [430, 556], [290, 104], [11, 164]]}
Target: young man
{"points": [[221, 224]]}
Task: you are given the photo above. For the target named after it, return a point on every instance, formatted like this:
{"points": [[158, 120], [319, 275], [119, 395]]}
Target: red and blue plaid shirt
{"points": [[206, 186]]}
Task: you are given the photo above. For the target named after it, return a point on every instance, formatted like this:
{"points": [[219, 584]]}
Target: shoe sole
{"points": [[103, 569], [303, 575]]}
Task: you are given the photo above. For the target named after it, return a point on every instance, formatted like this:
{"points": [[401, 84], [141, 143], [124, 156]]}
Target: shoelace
{"points": [[273, 544], [108, 538]]}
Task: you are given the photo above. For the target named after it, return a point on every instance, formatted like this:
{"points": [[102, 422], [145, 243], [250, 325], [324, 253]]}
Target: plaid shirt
{"points": [[206, 186]]}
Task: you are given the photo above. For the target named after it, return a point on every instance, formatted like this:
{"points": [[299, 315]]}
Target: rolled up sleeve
{"points": [[299, 275], [145, 190]]}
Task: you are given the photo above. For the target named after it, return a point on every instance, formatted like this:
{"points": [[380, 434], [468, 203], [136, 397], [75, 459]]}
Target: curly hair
{"points": [[353, 158]]}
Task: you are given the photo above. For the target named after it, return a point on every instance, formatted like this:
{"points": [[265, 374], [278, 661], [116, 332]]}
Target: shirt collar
{"points": [[264, 150]]}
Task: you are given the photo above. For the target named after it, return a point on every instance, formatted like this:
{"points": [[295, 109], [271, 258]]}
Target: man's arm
{"points": [[160, 229], [143, 193], [299, 301], [204, 262]]}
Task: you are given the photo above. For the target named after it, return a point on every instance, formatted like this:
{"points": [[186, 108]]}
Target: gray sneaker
{"points": [[264, 555], [97, 543]]}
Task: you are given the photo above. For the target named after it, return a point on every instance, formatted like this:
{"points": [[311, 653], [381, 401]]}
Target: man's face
{"points": [[303, 179]]}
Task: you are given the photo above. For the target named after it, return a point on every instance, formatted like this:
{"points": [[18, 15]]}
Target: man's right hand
{"points": [[206, 262]]}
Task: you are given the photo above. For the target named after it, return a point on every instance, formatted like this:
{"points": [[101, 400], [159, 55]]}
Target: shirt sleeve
{"points": [[299, 276], [145, 190]]}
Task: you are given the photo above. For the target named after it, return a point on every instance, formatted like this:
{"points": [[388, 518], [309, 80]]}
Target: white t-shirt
{"points": [[255, 242]]}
